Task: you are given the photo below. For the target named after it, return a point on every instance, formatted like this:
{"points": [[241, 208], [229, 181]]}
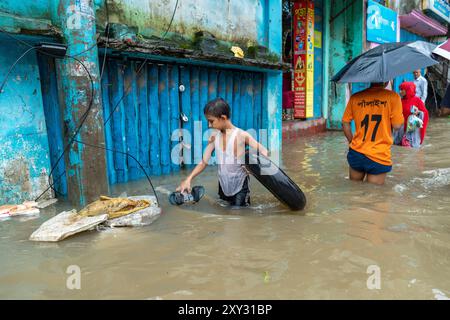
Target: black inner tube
{"points": [[275, 180]]}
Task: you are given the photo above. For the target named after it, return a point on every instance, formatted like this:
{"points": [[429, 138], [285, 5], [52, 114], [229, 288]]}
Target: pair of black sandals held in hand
{"points": [[178, 198]]}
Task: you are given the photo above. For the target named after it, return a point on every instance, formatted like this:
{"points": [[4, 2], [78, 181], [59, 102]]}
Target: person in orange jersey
{"points": [[375, 111]]}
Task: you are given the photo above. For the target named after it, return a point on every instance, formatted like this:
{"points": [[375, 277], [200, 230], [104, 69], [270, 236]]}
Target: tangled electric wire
{"points": [[88, 109]]}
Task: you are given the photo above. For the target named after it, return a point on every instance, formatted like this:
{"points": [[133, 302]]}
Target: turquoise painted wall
{"points": [[228, 20], [244, 21], [38, 9], [24, 150], [346, 42], [35, 9], [318, 60]]}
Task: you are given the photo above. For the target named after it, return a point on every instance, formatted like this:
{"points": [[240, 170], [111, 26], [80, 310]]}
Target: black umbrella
{"points": [[387, 61]]}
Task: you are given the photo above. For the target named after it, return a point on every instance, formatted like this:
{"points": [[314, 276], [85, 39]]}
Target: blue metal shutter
{"points": [[144, 120]]}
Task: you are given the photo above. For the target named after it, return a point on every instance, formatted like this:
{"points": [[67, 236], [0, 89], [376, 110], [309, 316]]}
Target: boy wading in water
{"points": [[375, 111], [229, 143]]}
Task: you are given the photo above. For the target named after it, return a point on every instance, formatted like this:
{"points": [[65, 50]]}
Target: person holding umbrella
{"points": [[375, 112]]}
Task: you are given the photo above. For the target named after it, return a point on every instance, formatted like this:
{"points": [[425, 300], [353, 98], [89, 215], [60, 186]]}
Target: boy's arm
{"points": [[347, 119], [249, 140], [347, 131], [186, 184]]}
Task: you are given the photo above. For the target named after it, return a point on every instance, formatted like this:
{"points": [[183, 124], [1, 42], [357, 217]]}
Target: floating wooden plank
{"points": [[65, 225], [139, 218]]}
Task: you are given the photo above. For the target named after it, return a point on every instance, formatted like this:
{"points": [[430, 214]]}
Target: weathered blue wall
{"points": [[227, 20], [24, 160], [38, 9], [53, 119], [247, 21], [145, 120], [13, 11], [37, 15]]}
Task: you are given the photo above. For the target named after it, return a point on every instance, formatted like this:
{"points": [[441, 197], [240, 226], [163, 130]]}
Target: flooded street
{"points": [[206, 251]]}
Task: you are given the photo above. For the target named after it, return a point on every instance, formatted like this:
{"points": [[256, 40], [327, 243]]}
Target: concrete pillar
{"points": [[85, 166]]}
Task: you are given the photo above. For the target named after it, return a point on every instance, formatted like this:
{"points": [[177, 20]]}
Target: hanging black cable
{"points": [[73, 56], [94, 146], [40, 51], [127, 154], [13, 65], [38, 48], [54, 181], [86, 113], [77, 130]]}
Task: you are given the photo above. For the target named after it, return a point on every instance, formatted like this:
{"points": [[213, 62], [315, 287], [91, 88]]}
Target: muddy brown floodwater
{"points": [[206, 251]]}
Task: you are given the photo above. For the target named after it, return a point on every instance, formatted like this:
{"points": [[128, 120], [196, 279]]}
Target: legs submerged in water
{"points": [[362, 168], [356, 175], [376, 178], [240, 199], [371, 178]]}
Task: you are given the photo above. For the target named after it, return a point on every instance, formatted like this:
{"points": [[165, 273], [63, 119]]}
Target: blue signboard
{"points": [[438, 9], [381, 23]]}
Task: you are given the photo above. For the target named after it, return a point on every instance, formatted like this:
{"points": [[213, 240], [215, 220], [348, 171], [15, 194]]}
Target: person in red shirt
{"points": [[409, 99]]}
